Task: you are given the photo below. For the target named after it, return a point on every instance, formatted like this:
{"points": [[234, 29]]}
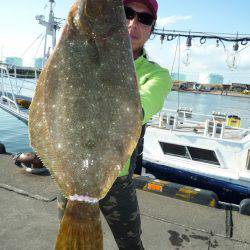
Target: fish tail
{"points": [[80, 228]]}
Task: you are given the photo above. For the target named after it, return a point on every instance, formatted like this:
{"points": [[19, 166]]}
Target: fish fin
{"points": [[80, 227]]}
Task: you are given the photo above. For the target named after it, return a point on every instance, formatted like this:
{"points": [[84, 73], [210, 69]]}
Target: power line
{"points": [[33, 42]]}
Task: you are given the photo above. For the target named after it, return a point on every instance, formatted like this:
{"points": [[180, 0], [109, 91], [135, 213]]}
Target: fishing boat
{"points": [[205, 151]]}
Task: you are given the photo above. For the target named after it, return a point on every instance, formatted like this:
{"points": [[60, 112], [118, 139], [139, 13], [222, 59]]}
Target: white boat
{"points": [[206, 151]]}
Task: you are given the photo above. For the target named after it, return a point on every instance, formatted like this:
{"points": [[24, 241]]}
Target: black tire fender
{"points": [[245, 207]]}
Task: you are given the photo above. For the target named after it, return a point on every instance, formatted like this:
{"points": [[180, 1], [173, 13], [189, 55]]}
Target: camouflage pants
{"points": [[120, 209]]}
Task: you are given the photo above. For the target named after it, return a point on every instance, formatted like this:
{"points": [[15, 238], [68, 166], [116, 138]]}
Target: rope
{"points": [[39, 46], [178, 69], [178, 72], [31, 45], [244, 48], [172, 68]]}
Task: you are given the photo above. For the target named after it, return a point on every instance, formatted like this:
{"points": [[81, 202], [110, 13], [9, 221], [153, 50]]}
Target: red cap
{"points": [[151, 4]]}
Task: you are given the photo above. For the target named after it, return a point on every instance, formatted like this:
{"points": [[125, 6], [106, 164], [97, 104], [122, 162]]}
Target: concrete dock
{"points": [[28, 218]]}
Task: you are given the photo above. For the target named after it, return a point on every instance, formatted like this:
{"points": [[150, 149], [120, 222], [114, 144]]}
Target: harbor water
{"points": [[14, 133]]}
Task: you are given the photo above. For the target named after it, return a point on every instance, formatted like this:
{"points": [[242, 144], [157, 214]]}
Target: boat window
{"points": [[174, 149], [203, 155]]}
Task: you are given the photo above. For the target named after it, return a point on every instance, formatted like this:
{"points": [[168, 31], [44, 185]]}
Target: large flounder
{"points": [[85, 117]]}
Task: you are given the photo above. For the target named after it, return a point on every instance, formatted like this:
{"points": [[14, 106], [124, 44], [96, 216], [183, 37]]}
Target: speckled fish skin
{"points": [[85, 117]]}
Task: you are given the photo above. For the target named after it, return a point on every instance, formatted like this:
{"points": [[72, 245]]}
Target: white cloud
{"points": [[162, 22]]}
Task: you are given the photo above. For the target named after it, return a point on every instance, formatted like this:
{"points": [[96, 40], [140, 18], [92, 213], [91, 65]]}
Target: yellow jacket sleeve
{"points": [[154, 91]]}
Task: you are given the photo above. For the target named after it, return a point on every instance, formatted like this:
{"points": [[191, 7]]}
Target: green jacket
{"points": [[154, 84]]}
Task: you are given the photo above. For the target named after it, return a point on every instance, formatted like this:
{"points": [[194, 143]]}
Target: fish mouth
{"points": [[100, 18], [100, 9], [91, 9]]}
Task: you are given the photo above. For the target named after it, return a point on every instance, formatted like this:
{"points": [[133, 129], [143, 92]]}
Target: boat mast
{"points": [[52, 25]]}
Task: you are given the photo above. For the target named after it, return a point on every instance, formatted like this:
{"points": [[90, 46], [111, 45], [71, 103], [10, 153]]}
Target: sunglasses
{"points": [[143, 17]]}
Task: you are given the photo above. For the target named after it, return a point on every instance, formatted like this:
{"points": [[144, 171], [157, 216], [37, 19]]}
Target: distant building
{"points": [[211, 78], [38, 62], [239, 86], [180, 77], [17, 61], [187, 85]]}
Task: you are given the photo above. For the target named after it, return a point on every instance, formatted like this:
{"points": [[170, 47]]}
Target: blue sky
{"points": [[19, 29], [213, 15]]}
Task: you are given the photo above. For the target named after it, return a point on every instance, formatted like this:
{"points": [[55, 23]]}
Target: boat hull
{"points": [[227, 191]]}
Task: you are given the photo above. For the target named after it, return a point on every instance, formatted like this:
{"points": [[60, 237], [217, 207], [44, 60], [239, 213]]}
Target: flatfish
{"points": [[85, 117]]}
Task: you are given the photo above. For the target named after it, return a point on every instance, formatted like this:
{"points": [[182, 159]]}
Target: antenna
{"points": [[52, 25]]}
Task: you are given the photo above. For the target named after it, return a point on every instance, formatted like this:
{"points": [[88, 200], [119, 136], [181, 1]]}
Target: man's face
{"points": [[139, 33]]}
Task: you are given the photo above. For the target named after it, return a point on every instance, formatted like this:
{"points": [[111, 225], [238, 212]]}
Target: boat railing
{"points": [[21, 86], [214, 125], [7, 95], [13, 88], [13, 85]]}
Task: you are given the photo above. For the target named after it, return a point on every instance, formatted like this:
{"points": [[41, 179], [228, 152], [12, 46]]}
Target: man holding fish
{"points": [[87, 114], [120, 206]]}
